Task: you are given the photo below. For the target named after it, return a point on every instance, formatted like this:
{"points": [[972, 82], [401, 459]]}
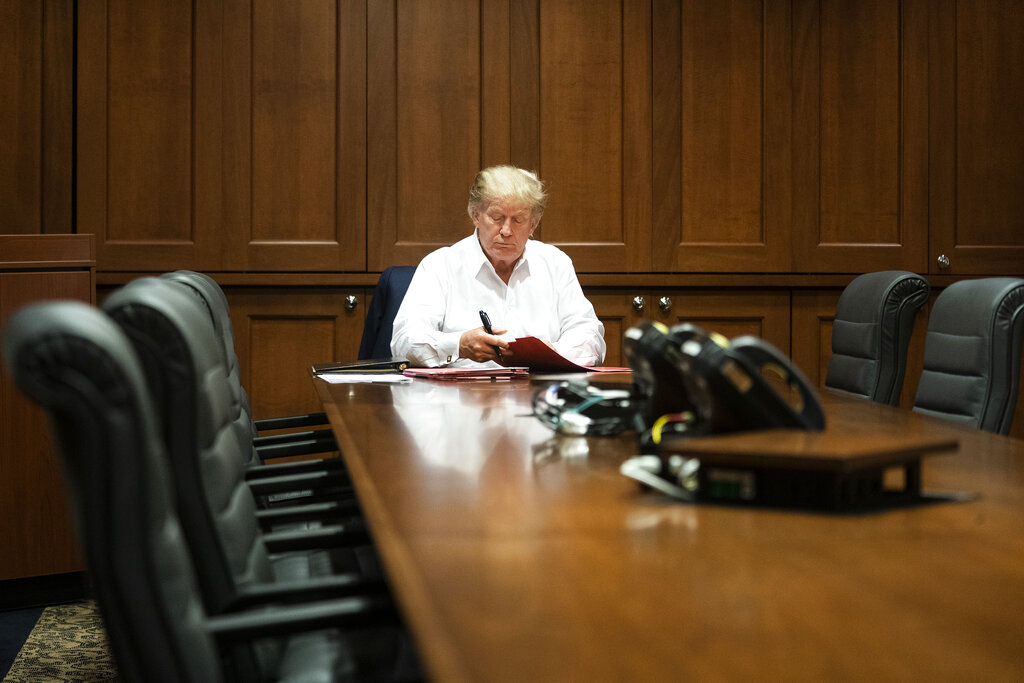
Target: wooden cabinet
{"points": [[37, 534], [860, 136], [527, 83], [36, 114], [677, 137], [976, 142], [281, 332], [722, 139], [729, 312], [222, 136], [273, 142]]}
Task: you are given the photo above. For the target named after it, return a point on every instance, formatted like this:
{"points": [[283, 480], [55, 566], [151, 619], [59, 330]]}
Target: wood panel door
{"points": [[36, 116], [438, 75], [222, 135], [976, 138], [292, 128], [764, 314], [37, 531], [722, 136], [589, 132], [280, 333], [561, 87], [860, 162], [142, 189]]}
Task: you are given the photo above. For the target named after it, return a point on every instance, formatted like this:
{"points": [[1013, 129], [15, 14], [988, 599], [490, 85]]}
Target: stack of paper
{"points": [[468, 374]]}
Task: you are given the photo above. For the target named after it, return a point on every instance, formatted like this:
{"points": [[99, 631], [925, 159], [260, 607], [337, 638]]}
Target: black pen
{"points": [[486, 320]]}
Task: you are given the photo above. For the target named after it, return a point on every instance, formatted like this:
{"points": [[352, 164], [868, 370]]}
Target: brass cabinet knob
{"points": [[943, 261], [665, 304], [351, 302], [638, 303]]}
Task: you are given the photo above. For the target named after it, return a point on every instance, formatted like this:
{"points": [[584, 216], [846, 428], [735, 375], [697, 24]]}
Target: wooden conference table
{"points": [[520, 555]]}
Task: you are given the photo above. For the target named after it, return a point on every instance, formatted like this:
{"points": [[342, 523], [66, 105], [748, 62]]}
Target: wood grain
{"points": [[519, 555]]}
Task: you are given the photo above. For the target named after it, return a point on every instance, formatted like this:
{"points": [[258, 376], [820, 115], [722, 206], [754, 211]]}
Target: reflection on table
{"points": [[520, 555]]}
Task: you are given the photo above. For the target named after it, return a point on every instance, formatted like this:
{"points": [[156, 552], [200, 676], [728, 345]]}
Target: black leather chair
{"points": [[305, 442], [380, 315], [873, 323], [972, 353], [78, 364], [175, 340], [279, 482]]}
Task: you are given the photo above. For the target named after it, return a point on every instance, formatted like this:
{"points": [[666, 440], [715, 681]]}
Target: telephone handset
{"points": [[691, 382]]}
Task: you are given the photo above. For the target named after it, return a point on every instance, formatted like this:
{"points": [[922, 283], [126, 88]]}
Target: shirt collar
{"points": [[522, 265]]}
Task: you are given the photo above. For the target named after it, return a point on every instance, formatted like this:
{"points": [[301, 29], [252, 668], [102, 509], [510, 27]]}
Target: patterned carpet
{"points": [[68, 643]]}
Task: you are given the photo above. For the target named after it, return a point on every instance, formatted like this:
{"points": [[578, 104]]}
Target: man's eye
{"points": [[497, 219], [518, 220]]}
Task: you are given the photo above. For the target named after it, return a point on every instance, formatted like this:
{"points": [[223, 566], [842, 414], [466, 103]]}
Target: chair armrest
{"points": [[271, 423], [306, 590], [351, 533], [330, 465], [330, 510], [299, 447], [354, 612], [325, 435], [264, 486]]}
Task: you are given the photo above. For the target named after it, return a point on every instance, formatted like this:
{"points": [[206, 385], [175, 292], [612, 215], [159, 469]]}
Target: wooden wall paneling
{"points": [[36, 58], [721, 136], [294, 136], [595, 131], [427, 129], [58, 115], [976, 140], [813, 314], [861, 119], [523, 83], [281, 332], [140, 178], [764, 313], [21, 58], [37, 534], [615, 311]]}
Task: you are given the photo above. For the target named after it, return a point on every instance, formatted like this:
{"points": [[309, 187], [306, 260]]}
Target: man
{"points": [[527, 288]]}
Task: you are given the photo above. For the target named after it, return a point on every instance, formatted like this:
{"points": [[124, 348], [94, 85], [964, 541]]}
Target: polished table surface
{"points": [[520, 555]]}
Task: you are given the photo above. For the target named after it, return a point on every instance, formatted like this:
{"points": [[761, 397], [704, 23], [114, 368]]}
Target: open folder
{"points": [[539, 357]]}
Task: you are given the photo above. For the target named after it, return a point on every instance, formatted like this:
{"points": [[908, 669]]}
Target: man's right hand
{"points": [[477, 345]]}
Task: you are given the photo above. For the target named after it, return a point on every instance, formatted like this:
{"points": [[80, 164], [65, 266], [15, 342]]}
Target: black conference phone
{"points": [[690, 382]]}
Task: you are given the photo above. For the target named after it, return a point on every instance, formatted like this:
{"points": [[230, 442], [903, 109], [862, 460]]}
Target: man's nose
{"points": [[506, 227]]}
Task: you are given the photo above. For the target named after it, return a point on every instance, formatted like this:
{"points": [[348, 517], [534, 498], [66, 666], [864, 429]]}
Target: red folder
{"points": [[468, 374], [539, 357]]}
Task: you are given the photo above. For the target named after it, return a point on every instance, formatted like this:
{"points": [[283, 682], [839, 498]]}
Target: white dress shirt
{"points": [[543, 299]]}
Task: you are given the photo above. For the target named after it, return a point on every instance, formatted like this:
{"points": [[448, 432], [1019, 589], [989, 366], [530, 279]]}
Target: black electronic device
{"points": [[578, 408], [690, 382]]}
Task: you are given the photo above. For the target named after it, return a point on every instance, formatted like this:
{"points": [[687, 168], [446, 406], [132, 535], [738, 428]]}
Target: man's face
{"points": [[503, 228]]}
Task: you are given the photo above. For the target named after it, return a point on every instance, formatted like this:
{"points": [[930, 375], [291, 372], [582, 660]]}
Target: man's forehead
{"points": [[507, 208]]}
